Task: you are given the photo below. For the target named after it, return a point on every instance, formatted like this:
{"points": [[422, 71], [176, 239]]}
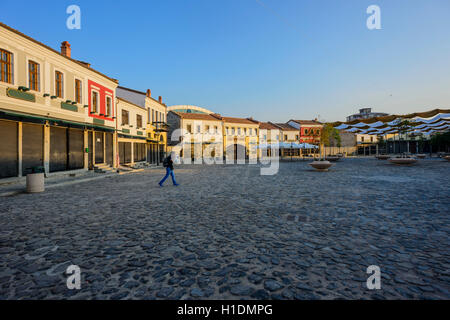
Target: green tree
{"points": [[330, 136]]}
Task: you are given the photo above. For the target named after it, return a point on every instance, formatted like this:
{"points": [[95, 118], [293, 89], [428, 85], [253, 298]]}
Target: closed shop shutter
{"points": [[91, 150], [76, 149], [127, 152], [99, 148], [122, 152], [32, 146], [139, 152], [58, 149], [109, 148], [9, 150]]}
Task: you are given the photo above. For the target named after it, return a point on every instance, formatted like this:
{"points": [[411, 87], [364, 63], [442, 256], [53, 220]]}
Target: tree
{"points": [[330, 136], [441, 141]]}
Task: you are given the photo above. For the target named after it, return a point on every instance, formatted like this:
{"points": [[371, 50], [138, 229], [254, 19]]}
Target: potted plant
{"points": [[35, 179]]}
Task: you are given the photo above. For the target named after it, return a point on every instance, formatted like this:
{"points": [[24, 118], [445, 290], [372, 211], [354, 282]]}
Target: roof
{"points": [[129, 102], [286, 127], [196, 116], [83, 64], [268, 126], [142, 93], [239, 120], [307, 122]]}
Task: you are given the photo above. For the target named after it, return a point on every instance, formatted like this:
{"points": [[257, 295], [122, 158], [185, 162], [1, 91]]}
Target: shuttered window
{"points": [[59, 84], [6, 66], [33, 76], [78, 91], [125, 119]]}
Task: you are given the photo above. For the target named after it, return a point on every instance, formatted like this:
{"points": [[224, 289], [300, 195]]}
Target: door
{"points": [[76, 146], [91, 151], [99, 147], [32, 146], [109, 148], [9, 149], [58, 149]]}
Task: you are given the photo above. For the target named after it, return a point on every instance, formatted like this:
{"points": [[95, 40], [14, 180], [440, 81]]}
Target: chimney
{"points": [[160, 99], [149, 93], [65, 49]]}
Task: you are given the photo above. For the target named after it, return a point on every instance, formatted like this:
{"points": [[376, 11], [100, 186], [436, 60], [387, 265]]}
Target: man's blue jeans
{"points": [[169, 172]]}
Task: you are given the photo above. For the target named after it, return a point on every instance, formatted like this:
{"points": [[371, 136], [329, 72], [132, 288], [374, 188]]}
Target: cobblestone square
{"points": [[229, 233]]}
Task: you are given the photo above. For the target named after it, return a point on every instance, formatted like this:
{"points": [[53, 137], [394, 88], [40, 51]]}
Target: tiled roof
{"points": [[83, 64], [307, 122], [286, 127], [196, 116], [239, 120], [132, 103], [268, 126]]}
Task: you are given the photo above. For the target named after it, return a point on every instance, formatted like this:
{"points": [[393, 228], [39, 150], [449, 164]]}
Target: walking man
{"points": [[168, 164]]}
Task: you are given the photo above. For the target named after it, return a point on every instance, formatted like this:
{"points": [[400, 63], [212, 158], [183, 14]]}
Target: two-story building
{"points": [[56, 112], [155, 121], [310, 130], [240, 139], [196, 136], [288, 135], [269, 134], [131, 132]]}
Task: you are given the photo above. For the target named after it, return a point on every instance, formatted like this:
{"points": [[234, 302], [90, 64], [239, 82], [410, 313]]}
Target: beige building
{"points": [[56, 112], [196, 136], [131, 132], [269, 134], [240, 138], [155, 121]]}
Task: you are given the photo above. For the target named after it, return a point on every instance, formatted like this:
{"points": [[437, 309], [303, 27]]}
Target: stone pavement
{"points": [[229, 233]]}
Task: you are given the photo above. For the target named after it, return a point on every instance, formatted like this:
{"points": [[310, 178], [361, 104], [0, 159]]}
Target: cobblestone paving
{"points": [[229, 233]]}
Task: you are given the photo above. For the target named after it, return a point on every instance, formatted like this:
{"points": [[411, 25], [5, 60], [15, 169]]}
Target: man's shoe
{"points": [[176, 185], [160, 184]]}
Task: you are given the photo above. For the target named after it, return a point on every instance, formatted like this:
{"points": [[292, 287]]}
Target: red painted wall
{"points": [[102, 100], [308, 138]]}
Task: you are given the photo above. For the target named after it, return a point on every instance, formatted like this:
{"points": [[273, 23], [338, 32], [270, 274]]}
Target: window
{"points": [[245, 131], [228, 131], [306, 131], [108, 106], [285, 137], [33, 76], [153, 115], [139, 121], [265, 137], [251, 131], [239, 131], [78, 91], [125, 119], [59, 84], [256, 131], [233, 130], [6, 66], [296, 137], [94, 107], [362, 139], [216, 130], [371, 139], [189, 128], [199, 129], [207, 129]]}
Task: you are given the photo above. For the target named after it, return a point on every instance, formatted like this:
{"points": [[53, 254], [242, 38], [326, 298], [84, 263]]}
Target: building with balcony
{"points": [[155, 120]]}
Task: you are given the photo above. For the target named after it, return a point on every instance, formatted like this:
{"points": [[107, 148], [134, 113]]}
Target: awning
{"points": [[23, 117], [436, 120]]}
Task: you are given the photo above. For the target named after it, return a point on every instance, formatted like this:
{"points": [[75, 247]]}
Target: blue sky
{"points": [[271, 59]]}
